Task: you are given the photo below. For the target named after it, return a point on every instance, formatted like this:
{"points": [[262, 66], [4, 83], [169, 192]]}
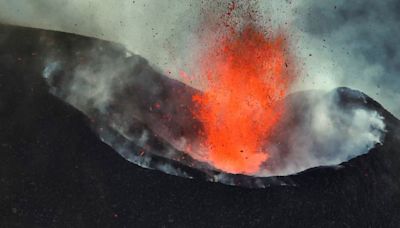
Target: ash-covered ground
{"points": [[56, 171]]}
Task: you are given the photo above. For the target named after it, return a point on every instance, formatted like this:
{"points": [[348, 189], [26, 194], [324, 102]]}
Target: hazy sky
{"points": [[341, 43]]}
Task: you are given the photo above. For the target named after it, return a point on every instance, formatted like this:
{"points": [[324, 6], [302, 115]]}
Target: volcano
{"points": [[148, 117], [50, 135]]}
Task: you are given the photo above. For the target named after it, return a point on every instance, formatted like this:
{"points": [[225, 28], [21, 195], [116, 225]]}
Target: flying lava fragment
{"points": [[245, 73]]}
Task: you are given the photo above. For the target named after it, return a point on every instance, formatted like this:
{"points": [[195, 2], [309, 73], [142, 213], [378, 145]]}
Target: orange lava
{"points": [[246, 75]]}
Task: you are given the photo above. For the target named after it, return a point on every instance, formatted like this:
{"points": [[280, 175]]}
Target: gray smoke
{"points": [[156, 30], [341, 43]]}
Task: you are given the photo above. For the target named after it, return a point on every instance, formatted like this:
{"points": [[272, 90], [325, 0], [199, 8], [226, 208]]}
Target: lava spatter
{"points": [[245, 73]]}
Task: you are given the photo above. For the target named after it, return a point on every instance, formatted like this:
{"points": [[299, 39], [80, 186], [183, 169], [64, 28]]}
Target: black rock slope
{"points": [[55, 172]]}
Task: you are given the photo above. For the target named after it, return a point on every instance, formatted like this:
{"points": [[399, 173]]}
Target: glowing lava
{"points": [[245, 75]]}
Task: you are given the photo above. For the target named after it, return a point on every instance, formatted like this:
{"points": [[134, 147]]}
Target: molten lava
{"points": [[246, 76], [245, 72]]}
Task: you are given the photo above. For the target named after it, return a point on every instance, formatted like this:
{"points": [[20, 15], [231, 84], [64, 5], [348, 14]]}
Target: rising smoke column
{"points": [[244, 69]]}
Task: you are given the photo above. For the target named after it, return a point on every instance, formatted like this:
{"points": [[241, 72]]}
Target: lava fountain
{"points": [[246, 75]]}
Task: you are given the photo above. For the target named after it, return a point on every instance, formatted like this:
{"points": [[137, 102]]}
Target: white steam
{"points": [[326, 134]]}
